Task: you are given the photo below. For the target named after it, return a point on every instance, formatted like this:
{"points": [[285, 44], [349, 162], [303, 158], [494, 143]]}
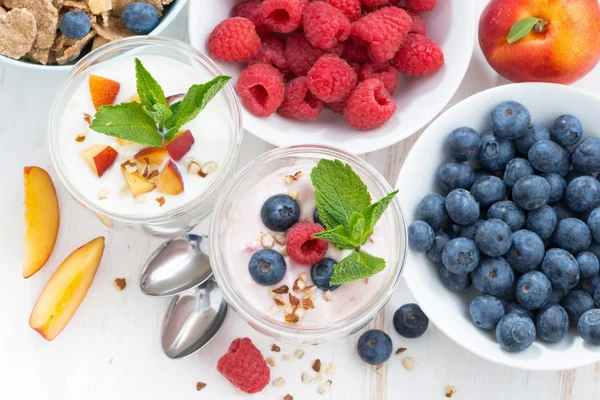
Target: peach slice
{"points": [[99, 157], [170, 180], [42, 219], [151, 155], [104, 91], [135, 98], [180, 145], [66, 289], [137, 183]]}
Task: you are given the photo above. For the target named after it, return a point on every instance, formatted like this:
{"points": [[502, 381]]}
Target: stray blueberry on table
{"points": [[486, 311], [374, 347], [460, 256], [583, 193], [140, 18], [75, 24], [546, 156], [516, 169], [573, 235], [589, 326], [561, 268], [321, 274], [510, 120], [439, 242], [420, 236], [566, 130], [495, 152], [493, 276], [410, 321], [588, 264], [454, 282], [586, 157], [432, 209], [535, 133], [526, 251], [463, 144], [494, 237], [488, 190], [575, 304], [515, 332], [267, 267], [453, 175], [462, 207], [280, 212], [552, 323], [508, 212], [533, 290], [542, 221]]}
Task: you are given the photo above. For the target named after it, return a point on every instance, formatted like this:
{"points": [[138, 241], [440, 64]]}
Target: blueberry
{"points": [[515, 332], [535, 133], [510, 293], [493, 276], [463, 144], [75, 24], [533, 290], [432, 209], [420, 236], [486, 311], [510, 120], [556, 296], [566, 130], [140, 18], [561, 268], [531, 192], [453, 175], [462, 207], [454, 282], [316, 218], [583, 193], [597, 296], [488, 190], [470, 231], [557, 186], [593, 222], [494, 237], [565, 165], [460, 256], [526, 252], [546, 156], [542, 221], [514, 306], [508, 212], [374, 347], [586, 157], [589, 326], [575, 304], [552, 323], [562, 211], [410, 321], [480, 173], [588, 264], [573, 235], [495, 152], [279, 212], [572, 175], [439, 242], [588, 285], [594, 248], [321, 273], [452, 230], [267, 267], [516, 169]]}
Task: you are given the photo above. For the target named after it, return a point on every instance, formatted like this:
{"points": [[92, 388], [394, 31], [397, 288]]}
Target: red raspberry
{"points": [[419, 56], [283, 16], [331, 78], [355, 67], [244, 366], [299, 102], [251, 9], [301, 55], [271, 52], [375, 3], [234, 40], [419, 24], [325, 26], [383, 30], [352, 9], [369, 106], [354, 52], [337, 106], [261, 89], [301, 246], [385, 72], [421, 5]]}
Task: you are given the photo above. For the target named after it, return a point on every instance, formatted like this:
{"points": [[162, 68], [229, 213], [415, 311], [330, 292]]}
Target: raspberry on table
{"points": [[301, 55], [331, 78], [352, 9], [260, 87], [301, 246], [419, 24], [325, 26], [386, 73], [272, 52], [369, 106], [419, 56], [299, 102], [251, 9], [421, 5], [283, 16], [234, 39], [244, 366], [382, 31], [354, 52]]}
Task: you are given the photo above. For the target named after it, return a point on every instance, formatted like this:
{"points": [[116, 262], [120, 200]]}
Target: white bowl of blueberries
{"points": [[504, 245]]}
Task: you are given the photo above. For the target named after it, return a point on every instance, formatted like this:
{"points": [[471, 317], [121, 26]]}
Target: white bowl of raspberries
{"points": [[360, 75], [504, 202]]}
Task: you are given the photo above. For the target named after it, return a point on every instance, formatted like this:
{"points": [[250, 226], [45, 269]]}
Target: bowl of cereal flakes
{"points": [[54, 34]]}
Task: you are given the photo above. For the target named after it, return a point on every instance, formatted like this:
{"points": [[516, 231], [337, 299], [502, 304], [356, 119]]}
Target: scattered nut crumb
{"points": [[289, 179], [291, 318], [306, 377], [310, 290], [193, 168], [283, 289], [320, 375], [110, 361], [316, 366], [188, 160], [80, 138], [279, 238], [103, 194], [271, 361], [124, 191], [275, 348], [283, 250], [87, 118], [279, 382], [409, 363], [307, 303], [153, 174], [288, 397], [200, 386], [267, 241], [381, 369], [209, 167], [400, 350], [450, 390], [304, 277], [299, 353], [140, 199], [120, 283], [330, 368], [294, 301], [297, 175], [328, 296], [293, 194], [161, 201], [274, 310], [299, 312], [299, 285], [324, 387], [286, 357], [279, 302]]}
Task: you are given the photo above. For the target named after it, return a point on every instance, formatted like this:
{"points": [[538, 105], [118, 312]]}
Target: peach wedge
{"points": [[66, 289], [42, 219]]}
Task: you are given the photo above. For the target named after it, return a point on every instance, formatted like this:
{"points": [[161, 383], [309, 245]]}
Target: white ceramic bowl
{"points": [[451, 24], [449, 310], [168, 16]]}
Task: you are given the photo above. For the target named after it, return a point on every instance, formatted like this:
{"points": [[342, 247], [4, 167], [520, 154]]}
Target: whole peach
{"points": [[562, 48]]}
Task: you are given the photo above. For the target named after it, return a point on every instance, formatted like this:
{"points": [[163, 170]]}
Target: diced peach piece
{"points": [[152, 155], [137, 183], [122, 142], [99, 157], [66, 289], [170, 180], [42, 219], [135, 98], [104, 91], [180, 145]]}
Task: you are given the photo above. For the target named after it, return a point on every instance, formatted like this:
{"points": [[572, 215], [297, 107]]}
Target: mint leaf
{"points": [[127, 121], [376, 210], [358, 265], [197, 97], [339, 237], [339, 192], [148, 89], [159, 112], [521, 29]]}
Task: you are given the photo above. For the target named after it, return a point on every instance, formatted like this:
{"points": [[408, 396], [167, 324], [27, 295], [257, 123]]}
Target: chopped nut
{"points": [[328, 296], [279, 382], [103, 194], [299, 285], [381, 369], [320, 375], [143, 169], [289, 179], [286, 357], [130, 163], [161, 201], [193, 168], [209, 167], [279, 238], [275, 348], [278, 301], [283, 289], [200, 386], [400, 350], [271, 361], [120, 283], [80, 138], [299, 353], [283, 251], [330, 368], [293, 194], [304, 277], [450, 390], [87, 118], [267, 241], [299, 312], [153, 174], [409, 363], [289, 310], [273, 310], [188, 160], [131, 168], [310, 290], [307, 303], [306, 377], [294, 301], [324, 387], [316, 366], [288, 397]]}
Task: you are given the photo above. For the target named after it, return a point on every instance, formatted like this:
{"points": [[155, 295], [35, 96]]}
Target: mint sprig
{"points": [[127, 121], [151, 94]]}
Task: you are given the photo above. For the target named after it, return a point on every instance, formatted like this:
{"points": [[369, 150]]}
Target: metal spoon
{"points": [[175, 266], [193, 319]]}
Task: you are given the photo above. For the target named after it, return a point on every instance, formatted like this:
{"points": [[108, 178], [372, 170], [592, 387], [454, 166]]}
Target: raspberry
{"points": [[301, 247], [355, 67], [369, 106], [383, 31], [354, 52], [325, 26], [261, 89], [283, 16], [386, 73], [244, 366], [299, 102], [301, 55], [421, 5], [352, 9], [251, 9], [234, 40], [419, 56], [271, 52], [375, 3], [337, 106], [331, 78], [419, 24]]}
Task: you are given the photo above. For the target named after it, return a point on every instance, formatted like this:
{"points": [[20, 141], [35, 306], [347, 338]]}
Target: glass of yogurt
{"points": [[131, 191], [296, 308]]}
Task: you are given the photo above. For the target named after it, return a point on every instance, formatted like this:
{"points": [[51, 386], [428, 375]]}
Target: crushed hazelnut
{"points": [[120, 283], [324, 387], [294, 301], [450, 390], [400, 350], [409, 363], [279, 238], [103, 194], [299, 353], [188, 160], [293, 194], [330, 368], [316, 366], [267, 241], [310, 290], [161, 201], [200, 386], [275, 348], [306, 377], [283, 289], [304, 277], [87, 118], [328, 296], [299, 285], [291, 318], [286, 357], [209, 167], [283, 251], [80, 138], [279, 382], [381, 369], [193, 168], [271, 361], [288, 397], [307, 303], [278, 301]]}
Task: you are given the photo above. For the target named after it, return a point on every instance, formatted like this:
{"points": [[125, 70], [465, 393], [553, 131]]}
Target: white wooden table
{"points": [[111, 350]]}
